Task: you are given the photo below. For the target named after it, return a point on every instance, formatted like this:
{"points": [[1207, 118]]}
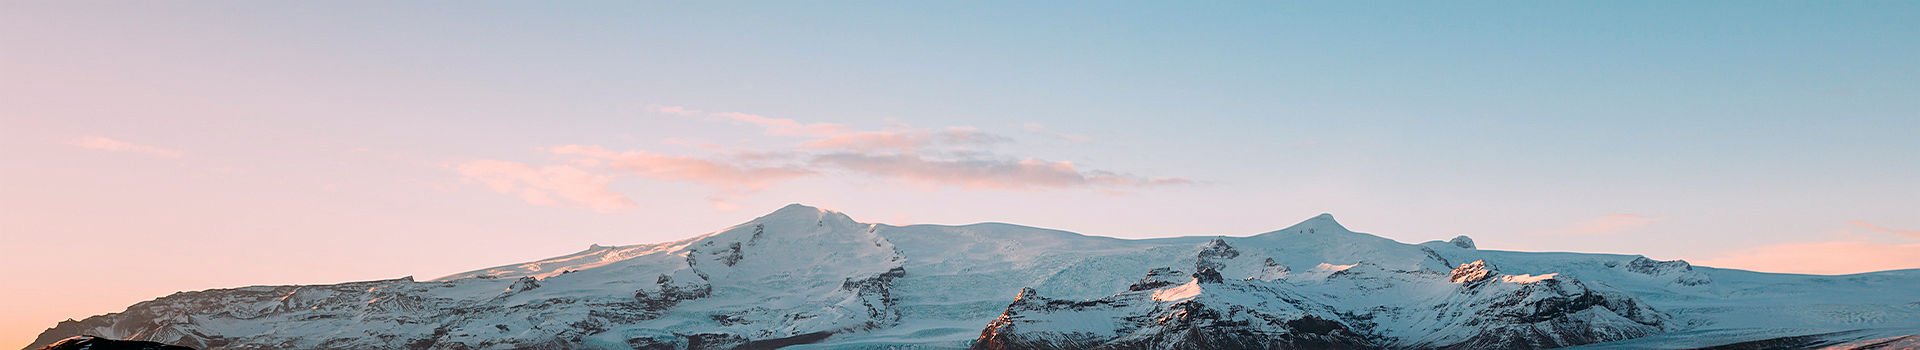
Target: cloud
{"points": [[719, 175], [583, 181], [674, 110], [721, 204], [112, 145], [779, 126], [1833, 257], [931, 156], [1027, 174], [872, 141], [967, 135], [555, 185], [901, 138], [1605, 224], [905, 141], [1908, 233]]}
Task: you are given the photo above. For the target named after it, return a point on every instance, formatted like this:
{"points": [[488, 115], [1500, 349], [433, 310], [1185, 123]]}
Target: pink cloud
{"points": [[556, 185], [967, 135], [675, 110], [892, 153], [112, 145], [681, 168], [1908, 233], [722, 204], [1834, 257], [1028, 174], [906, 141], [1605, 224], [780, 126], [840, 137], [872, 141]]}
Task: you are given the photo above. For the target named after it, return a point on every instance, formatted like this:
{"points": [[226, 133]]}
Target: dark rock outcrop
{"points": [[1475, 271], [1462, 241], [876, 295], [1680, 271], [1495, 311], [1189, 321], [1213, 255], [1483, 309], [88, 342], [1156, 278]]}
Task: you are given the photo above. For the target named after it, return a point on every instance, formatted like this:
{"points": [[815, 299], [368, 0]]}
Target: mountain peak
{"points": [[798, 208], [802, 210], [801, 215], [1318, 224], [1462, 241]]}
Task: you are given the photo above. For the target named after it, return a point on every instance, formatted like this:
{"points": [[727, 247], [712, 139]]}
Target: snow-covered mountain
{"points": [[806, 277]]}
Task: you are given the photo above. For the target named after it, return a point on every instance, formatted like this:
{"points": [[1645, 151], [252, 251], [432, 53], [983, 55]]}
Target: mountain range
{"points": [[804, 277]]}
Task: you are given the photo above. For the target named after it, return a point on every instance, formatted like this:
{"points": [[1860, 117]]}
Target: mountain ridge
{"points": [[801, 275]]}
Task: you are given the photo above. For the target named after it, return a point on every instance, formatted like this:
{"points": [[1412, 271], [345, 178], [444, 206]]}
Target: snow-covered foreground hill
{"points": [[810, 278]]}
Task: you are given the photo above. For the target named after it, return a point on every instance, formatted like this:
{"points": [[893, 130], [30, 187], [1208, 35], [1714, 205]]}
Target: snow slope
{"points": [[812, 278]]}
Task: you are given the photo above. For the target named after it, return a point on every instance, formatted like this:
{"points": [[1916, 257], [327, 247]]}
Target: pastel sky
{"points": [[154, 147]]}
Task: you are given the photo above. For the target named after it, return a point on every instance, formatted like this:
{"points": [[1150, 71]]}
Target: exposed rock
{"points": [[1213, 255], [1645, 266], [1475, 271], [88, 342], [876, 295], [1483, 310], [1271, 271], [523, 284], [1197, 321], [1158, 277], [1462, 241], [1207, 275], [670, 292], [1492, 311], [1680, 271]]}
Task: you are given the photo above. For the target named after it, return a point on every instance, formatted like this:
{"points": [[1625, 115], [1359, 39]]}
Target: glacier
{"points": [[805, 277]]}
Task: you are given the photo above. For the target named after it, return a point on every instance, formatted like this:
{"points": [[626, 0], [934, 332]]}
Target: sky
{"points": [[148, 148]]}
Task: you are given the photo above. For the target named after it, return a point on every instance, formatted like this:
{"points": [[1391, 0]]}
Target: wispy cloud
{"points": [[936, 157], [900, 138], [1833, 257], [728, 177], [112, 145], [1869, 226], [721, 204], [674, 110], [554, 185], [905, 141], [1605, 224], [1025, 174], [781, 126]]}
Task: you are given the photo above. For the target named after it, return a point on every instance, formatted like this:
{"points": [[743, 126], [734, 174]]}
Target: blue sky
{"points": [[395, 139]]}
